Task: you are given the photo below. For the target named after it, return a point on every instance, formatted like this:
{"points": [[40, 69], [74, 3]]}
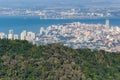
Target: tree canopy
{"points": [[20, 60]]}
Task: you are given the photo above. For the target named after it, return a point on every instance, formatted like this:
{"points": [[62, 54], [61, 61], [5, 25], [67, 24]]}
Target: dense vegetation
{"points": [[20, 60]]}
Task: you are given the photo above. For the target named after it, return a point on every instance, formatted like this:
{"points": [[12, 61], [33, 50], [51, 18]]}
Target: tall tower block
{"points": [[107, 24], [10, 35]]}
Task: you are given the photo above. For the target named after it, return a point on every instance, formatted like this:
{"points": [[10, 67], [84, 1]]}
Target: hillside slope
{"points": [[20, 60]]}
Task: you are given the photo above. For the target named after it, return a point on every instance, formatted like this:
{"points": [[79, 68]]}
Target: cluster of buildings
{"points": [[79, 35], [61, 13], [29, 36], [75, 35]]}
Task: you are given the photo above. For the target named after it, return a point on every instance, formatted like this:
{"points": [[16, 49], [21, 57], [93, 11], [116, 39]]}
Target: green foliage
{"points": [[20, 60]]}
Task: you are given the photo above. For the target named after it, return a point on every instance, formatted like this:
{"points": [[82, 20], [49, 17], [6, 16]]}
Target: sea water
{"points": [[33, 23]]}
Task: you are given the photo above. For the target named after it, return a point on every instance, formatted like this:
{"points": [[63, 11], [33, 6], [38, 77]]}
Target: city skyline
{"points": [[59, 39], [84, 34], [75, 35]]}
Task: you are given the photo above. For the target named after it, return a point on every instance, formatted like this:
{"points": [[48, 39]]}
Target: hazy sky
{"points": [[33, 3]]}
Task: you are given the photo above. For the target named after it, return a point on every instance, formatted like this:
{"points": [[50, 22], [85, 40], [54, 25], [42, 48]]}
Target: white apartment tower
{"points": [[107, 24], [41, 30], [23, 35], [15, 36], [30, 36], [2, 35], [10, 34]]}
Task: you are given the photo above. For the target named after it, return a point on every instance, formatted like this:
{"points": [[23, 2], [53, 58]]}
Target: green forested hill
{"points": [[20, 60]]}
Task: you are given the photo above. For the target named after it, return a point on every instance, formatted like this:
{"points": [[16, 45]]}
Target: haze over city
{"points": [[59, 3]]}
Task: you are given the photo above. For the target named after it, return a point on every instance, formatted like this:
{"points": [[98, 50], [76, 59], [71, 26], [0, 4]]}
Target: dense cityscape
{"points": [[59, 39], [75, 35]]}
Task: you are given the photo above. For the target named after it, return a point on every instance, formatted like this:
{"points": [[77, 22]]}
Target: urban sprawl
{"points": [[75, 35], [61, 13]]}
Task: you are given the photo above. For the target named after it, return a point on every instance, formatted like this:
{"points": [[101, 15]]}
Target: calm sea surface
{"points": [[20, 23]]}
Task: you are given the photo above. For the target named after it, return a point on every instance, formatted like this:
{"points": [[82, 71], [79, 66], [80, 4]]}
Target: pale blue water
{"points": [[34, 23]]}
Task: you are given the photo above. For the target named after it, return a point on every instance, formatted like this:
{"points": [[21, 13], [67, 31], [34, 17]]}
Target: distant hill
{"points": [[20, 60]]}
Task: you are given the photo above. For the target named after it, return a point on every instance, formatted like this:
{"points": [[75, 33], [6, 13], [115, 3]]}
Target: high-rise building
{"points": [[23, 35], [30, 36], [15, 36], [10, 34], [107, 24], [2, 35], [41, 30]]}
